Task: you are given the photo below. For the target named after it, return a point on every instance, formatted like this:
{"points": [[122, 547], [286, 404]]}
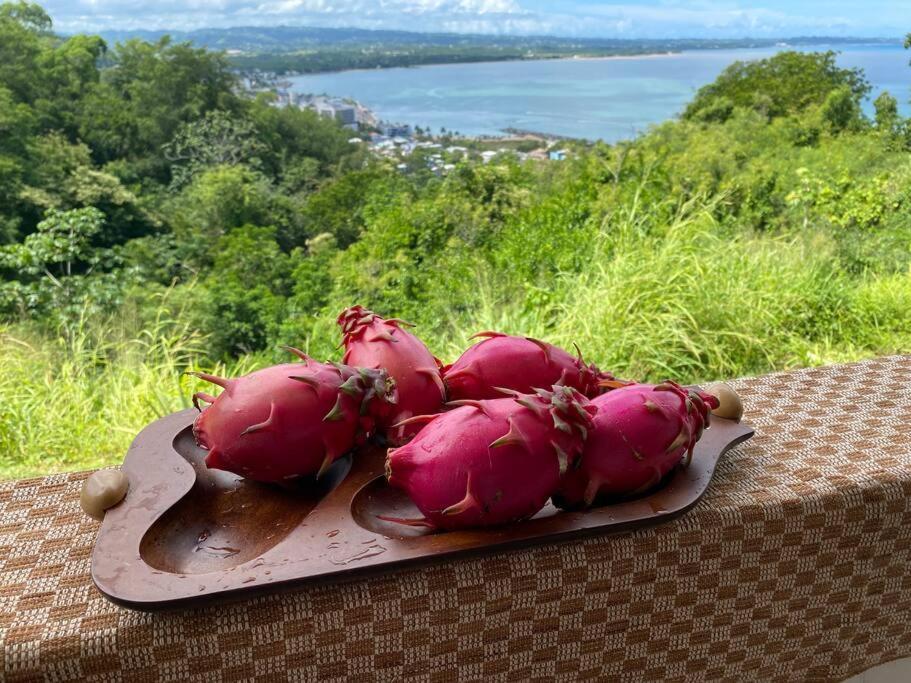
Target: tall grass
{"points": [[692, 301], [656, 297], [76, 400]]}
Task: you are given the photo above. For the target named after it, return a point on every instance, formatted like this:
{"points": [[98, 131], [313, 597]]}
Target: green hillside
{"points": [[153, 221]]}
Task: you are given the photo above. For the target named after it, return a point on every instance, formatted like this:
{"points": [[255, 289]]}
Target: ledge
{"points": [[793, 567]]}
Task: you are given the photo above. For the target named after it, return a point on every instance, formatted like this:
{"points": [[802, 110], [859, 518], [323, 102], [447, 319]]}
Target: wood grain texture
{"points": [[186, 534]]}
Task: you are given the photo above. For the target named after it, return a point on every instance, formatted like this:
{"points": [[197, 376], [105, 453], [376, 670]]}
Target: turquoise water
{"points": [[610, 99]]}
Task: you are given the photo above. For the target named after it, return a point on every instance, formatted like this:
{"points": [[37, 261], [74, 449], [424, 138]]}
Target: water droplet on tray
{"points": [[656, 507], [370, 551], [218, 551]]}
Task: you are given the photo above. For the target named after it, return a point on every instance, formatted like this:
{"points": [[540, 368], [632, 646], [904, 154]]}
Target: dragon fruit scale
{"points": [[641, 432], [517, 363], [489, 462], [289, 420], [374, 342]]}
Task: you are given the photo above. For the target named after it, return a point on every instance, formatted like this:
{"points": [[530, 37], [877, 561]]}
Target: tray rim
{"points": [[160, 477]]}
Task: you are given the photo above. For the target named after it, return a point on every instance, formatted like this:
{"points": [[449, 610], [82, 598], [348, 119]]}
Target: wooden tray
{"points": [[185, 534]]}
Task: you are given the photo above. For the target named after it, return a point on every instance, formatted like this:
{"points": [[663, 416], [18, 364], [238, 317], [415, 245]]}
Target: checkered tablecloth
{"points": [[795, 566]]}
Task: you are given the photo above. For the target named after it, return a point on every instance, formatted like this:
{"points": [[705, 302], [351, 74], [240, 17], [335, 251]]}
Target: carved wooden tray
{"points": [[185, 534]]}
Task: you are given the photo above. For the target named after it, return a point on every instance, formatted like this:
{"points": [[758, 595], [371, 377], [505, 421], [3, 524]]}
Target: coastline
{"points": [[511, 133], [578, 58], [485, 101], [644, 55], [508, 133], [787, 43]]}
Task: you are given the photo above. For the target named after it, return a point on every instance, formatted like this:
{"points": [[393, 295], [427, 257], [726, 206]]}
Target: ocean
{"points": [[609, 99]]}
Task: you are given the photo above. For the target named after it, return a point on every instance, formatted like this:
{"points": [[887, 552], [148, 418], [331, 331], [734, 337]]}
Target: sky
{"points": [[581, 18]]}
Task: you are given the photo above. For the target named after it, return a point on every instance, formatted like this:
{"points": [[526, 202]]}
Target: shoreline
{"points": [[577, 58], [644, 55], [591, 127], [509, 133], [784, 45]]}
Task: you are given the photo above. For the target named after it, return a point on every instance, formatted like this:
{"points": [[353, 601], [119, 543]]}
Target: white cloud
{"points": [[710, 16], [389, 8], [452, 6], [659, 18]]}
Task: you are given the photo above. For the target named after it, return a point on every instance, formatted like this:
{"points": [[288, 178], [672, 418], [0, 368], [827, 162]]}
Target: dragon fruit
{"points": [[373, 342], [517, 363], [491, 461], [288, 420], [641, 432]]}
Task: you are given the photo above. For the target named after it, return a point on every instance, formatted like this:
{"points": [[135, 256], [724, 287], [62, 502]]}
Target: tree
{"points": [[53, 265], [60, 246], [718, 111], [292, 135], [17, 122], [60, 176], [68, 71], [338, 208], [841, 111], [223, 198], [24, 34], [789, 82], [217, 139], [312, 277], [28, 14], [886, 108], [889, 123], [149, 91], [246, 291]]}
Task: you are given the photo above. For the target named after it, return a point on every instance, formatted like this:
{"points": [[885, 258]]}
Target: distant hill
{"points": [[289, 50], [257, 39]]}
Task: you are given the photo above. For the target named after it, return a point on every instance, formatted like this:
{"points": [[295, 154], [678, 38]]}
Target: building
{"points": [[282, 98], [323, 108], [393, 130], [346, 115]]}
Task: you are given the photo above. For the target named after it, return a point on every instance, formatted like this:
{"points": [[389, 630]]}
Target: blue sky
{"points": [[628, 18]]}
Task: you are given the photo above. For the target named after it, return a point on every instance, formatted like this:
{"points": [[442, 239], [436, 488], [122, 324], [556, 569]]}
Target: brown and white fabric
{"points": [[796, 566]]}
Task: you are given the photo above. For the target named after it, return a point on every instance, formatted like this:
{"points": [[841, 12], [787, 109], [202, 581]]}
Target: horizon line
{"points": [[898, 39]]}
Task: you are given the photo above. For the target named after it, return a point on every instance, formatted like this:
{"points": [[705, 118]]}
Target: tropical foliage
{"points": [[153, 220]]}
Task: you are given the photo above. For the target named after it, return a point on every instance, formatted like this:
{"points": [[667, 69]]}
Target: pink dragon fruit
{"points": [[517, 363], [372, 342], [493, 461], [641, 432], [288, 420]]}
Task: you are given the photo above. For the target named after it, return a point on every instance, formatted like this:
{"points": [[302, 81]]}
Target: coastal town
{"points": [[411, 147], [402, 143]]}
